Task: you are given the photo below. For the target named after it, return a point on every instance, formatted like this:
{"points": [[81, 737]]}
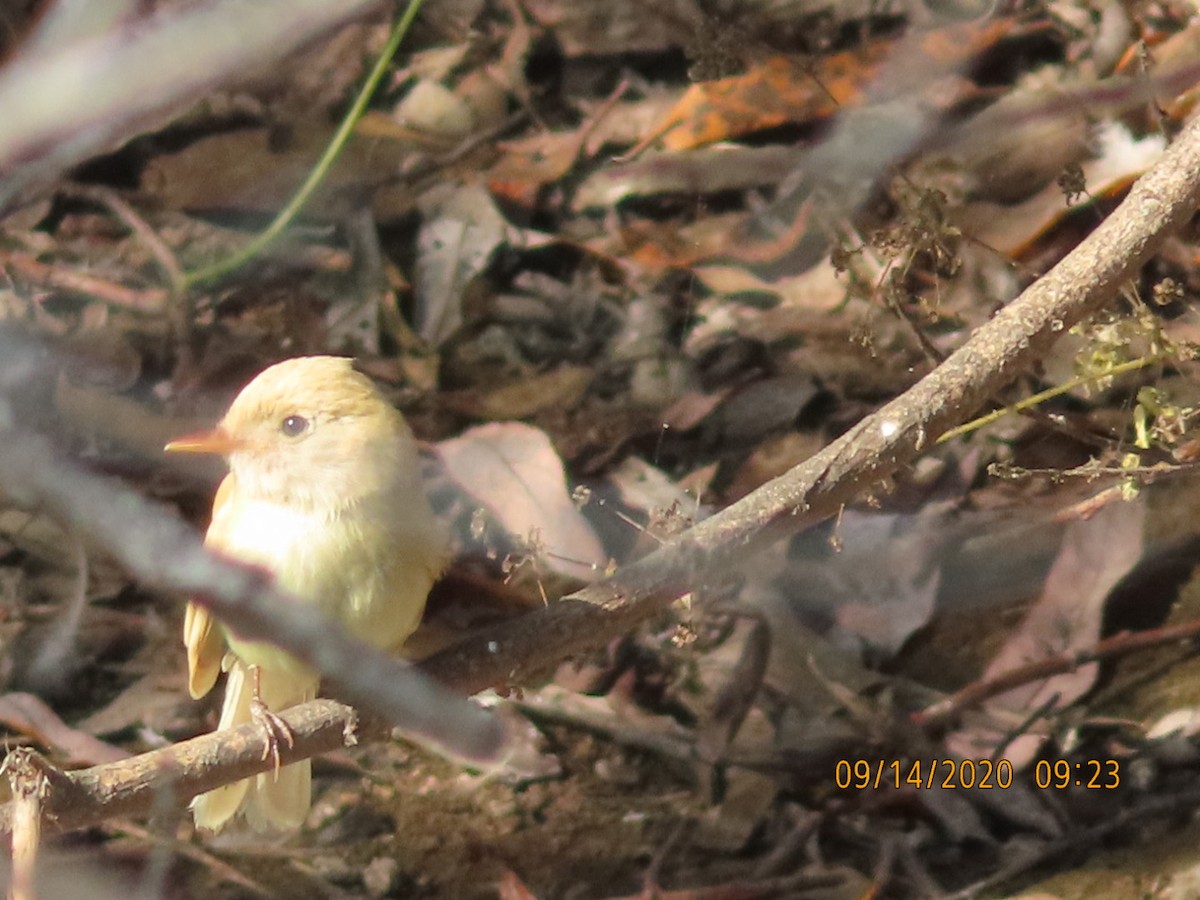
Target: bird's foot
{"points": [[274, 728]]}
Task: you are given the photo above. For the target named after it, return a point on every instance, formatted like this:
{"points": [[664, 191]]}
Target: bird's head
{"points": [[311, 432]]}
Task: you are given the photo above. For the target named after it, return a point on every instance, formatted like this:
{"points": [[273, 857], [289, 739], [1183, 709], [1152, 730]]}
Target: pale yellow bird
{"points": [[324, 491]]}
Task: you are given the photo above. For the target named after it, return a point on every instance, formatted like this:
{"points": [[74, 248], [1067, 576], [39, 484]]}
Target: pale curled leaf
{"points": [[461, 228], [1095, 555], [512, 469]]}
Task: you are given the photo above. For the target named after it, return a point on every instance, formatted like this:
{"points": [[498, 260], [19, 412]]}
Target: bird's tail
{"points": [[273, 800]]}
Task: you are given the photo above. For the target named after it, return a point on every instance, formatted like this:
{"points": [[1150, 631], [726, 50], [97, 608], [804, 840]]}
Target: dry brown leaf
{"points": [[461, 229], [562, 388], [1016, 229], [514, 471], [705, 171], [247, 170], [818, 288], [434, 109], [1095, 554], [649, 489], [531, 162], [783, 89]]}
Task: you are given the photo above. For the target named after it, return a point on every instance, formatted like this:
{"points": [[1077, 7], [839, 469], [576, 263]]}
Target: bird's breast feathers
{"points": [[371, 577]]}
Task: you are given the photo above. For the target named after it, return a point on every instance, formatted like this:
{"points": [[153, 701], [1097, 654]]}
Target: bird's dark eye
{"points": [[293, 426]]}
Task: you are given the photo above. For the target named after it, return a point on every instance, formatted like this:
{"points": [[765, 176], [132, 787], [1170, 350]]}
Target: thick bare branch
{"points": [[135, 785], [877, 447]]}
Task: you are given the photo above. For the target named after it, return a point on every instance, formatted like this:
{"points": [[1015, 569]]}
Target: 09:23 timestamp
{"points": [[1094, 774], [1048, 774]]}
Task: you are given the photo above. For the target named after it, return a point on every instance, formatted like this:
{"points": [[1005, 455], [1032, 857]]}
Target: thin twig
{"points": [[149, 301], [132, 219], [220, 869], [945, 712]]}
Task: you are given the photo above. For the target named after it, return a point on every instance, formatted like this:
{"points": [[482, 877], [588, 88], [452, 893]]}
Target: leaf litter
{"points": [[620, 267]]}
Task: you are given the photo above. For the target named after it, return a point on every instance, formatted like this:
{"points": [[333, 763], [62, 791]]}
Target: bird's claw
{"points": [[274, 728]]}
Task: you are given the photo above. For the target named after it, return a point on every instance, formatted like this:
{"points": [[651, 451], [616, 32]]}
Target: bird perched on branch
{"points": [[324, 491]]}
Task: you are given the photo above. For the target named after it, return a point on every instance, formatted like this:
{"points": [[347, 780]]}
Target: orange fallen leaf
{"points": [[781, 89]]}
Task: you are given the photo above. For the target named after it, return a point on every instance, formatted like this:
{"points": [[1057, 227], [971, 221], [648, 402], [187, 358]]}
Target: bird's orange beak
{"points": [[216, 441]]}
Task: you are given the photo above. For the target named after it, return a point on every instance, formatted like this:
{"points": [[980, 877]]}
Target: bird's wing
{"points": [[202, 635], [205, 646]]}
